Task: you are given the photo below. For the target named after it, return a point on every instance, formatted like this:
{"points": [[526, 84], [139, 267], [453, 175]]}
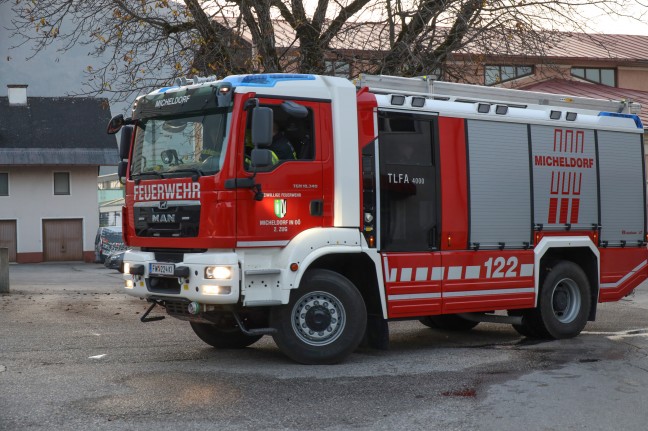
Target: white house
{"points": [[50, 152]]}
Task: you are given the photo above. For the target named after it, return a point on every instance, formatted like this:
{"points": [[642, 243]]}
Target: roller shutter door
{"points": [[500, 184], [622, 177]]}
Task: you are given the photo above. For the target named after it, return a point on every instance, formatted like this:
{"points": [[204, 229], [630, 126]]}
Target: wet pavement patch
{"points": [[461, 393]]}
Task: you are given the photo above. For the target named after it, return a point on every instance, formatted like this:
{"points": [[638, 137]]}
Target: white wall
{"points": [[50, 73], [31, 199]]}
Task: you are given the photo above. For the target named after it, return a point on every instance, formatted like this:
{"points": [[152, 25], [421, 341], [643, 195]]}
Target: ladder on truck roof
{"points": [[440, 90]]}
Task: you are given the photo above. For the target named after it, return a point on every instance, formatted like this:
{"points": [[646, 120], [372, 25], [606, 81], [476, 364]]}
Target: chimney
{"points": [[17, 94]]}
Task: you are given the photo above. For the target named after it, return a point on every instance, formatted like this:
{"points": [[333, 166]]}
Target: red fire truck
{"points": [[399, 198]]}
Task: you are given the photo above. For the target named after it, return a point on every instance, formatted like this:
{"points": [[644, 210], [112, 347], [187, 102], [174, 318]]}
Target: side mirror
{"points": [[262, 126], [261, 158], [115, 124], [121, 169], [125, 142]]}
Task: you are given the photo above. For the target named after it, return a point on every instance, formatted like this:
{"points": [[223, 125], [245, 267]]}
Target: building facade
{"points": [[50, 153]]}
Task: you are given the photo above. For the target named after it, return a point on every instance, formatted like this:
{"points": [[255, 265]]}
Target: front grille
{"points": [[181, 221], [168, 257], [163, 285]]}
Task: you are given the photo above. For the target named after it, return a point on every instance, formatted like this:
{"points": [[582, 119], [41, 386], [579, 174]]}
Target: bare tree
{"points": [[147, 43]]}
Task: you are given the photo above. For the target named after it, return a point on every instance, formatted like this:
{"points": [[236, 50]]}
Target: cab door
{"points": [[293, 190]]}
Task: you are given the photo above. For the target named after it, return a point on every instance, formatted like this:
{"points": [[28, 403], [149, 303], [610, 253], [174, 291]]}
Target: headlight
{"points": [[218, 272], [126, 269]]}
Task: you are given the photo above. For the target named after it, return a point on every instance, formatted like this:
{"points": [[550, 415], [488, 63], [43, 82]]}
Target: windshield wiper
{"points": [[138, 177], [195, 171]]}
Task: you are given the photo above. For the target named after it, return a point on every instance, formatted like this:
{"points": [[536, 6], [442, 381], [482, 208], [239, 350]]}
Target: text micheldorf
{"points": [[564, 162]]}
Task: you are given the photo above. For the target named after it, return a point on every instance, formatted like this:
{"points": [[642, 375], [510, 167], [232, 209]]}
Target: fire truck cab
{"points": [[314, 210]]}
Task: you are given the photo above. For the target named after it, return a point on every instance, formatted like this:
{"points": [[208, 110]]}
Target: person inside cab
{"points": [[281, 146]]}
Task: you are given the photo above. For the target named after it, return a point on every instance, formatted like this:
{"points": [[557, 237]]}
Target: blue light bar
{"points": [[266, 79], [165, 89], [634, 117]]}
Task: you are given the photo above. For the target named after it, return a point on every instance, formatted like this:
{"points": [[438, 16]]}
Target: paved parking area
{"points": [[73, 355]]}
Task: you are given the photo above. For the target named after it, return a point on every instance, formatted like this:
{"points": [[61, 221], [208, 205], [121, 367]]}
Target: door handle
{"points": [[317, 207]]}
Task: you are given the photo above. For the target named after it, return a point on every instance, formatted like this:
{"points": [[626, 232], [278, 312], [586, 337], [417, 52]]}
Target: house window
{"points": [[61, 183], [502, 73], [596, 74], [4, 184], [338, 68]]}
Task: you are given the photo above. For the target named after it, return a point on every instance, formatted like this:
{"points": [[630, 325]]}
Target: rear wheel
{"points": [[448, 322], [563, 304], [223, 338], [324, 321]]}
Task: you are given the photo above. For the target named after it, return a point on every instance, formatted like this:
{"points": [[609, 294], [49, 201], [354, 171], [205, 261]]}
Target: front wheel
{"points": [[223, 338], [564, 303], [324, 321]]}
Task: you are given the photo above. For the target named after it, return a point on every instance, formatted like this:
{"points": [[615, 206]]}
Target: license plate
{"points": [[161, 268]]}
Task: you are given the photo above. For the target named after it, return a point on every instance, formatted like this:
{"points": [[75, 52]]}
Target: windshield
{"points": [[181, 145]]}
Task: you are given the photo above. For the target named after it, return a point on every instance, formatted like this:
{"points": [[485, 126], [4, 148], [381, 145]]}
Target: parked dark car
{"points": [[115, 260], [108, 241]]}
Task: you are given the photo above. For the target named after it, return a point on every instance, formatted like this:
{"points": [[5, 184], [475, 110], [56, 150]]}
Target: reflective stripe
{"points": [[472, 272], [454, 272], [526, 270], [488, 292], [437, 273], [624, 278], [413, 296], [406, 274], [421, 274]]}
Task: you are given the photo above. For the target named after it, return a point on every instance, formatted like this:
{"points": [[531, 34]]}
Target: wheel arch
{"points": [[360, 269], [579, 250]]}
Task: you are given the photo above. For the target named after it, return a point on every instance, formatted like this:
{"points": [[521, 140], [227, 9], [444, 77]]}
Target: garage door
{"points": [[8, 237], [62, 240]]}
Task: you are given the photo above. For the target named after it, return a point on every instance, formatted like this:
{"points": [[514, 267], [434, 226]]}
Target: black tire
{"points": [[563, 304], [531, 331], [527, 329], [448, 322], [324, 322], [216, 336]]}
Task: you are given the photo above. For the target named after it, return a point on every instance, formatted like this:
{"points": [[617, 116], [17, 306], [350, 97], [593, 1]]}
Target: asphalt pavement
{"points": [[74, 355]]}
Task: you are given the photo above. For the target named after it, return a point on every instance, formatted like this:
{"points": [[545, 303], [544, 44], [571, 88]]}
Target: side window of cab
{"points": [[293, 133]]}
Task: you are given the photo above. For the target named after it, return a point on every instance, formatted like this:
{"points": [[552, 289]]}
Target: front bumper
{"points": [[185, 278]]}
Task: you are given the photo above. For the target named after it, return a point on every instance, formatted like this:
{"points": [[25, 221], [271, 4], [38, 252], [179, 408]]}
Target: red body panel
{"points": [[622, 270], [410, 284], [454, 184], [458, 282], [488, 280]]}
